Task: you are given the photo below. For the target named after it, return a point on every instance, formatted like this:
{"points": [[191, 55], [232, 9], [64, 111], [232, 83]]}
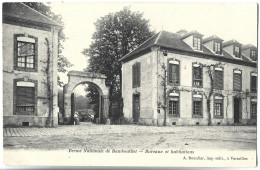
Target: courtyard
{"points": [[92, 136]]}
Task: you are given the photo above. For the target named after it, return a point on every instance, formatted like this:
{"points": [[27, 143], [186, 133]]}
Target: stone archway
{"points": [[95, 79]]}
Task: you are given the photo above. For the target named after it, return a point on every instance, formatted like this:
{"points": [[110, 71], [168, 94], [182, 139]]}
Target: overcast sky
{"points": [[226, 20]]}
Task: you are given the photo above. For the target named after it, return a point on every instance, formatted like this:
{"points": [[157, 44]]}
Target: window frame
{"points": [[15, 66], [178, 106], [168, 75], [25, 79], [220, 47], [136, 82], [222, 77], [253, 102], [196, 47], [240, 80], [234, 52], [251, 89], [200, 65], [214, 106], [251, 54], [193, 100]]}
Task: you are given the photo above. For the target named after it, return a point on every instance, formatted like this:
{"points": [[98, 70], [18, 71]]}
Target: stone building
{"points": [[184, 79], [30, 51]]}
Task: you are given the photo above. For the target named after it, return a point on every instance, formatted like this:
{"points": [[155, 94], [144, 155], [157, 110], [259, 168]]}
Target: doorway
{"points": [[136, 108], [237, 109]]}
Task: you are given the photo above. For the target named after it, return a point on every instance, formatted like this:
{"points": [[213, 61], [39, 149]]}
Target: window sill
{"points": [[197, 116], [197, 86], [173, 84], [174, 116], [25, 69], [218, 117]]}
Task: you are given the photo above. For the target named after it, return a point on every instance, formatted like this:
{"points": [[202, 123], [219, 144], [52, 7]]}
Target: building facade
{"points": [[184, 79], [30, 51]]}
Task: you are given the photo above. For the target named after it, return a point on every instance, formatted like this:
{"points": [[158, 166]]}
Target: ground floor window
{"points": [[25, 101], [253, 110], [218, 107], [197, 105]]}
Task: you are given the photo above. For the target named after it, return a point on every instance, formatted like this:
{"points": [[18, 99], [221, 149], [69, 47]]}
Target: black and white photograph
{"points": [[129, 84]]}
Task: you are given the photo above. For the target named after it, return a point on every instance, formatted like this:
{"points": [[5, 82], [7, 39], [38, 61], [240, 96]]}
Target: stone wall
{"points": [[148, 91], [9, 74]]}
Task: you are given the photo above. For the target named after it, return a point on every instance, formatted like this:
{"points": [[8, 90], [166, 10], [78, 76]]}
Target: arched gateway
{"points": [[95, 79]]}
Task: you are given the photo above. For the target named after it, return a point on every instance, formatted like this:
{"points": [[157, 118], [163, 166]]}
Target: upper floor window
{"points": [[136, 73], [253, 82], [237, 51], [174, 72], [25, 50], [25, 98], [237, 80], [218, 79], [253, 55], [217, 47], [197, 43], [197, 75]]}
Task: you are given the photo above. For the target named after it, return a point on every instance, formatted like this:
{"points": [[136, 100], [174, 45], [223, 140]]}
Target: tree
{"points": [[63, 62], [116, 35]]}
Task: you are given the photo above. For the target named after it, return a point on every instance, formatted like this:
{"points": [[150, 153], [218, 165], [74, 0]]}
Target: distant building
{"points": [[25, 62], [166, 80]]}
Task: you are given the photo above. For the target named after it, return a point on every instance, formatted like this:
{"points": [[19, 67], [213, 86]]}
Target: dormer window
{"points": [[217, 47], [253, 55], [197, 43], [237, 51]]}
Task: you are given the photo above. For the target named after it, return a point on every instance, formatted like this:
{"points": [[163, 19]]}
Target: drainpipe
{"points": [[157, 95]]}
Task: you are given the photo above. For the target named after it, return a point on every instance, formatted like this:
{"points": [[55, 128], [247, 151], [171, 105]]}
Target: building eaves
{"points": [[22, 11]]}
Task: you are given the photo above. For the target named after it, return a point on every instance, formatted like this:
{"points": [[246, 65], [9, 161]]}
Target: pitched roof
{"points": [[213, 37], [246, 46], [227, 43], [22, 11], [173, 41], [194, 32]]}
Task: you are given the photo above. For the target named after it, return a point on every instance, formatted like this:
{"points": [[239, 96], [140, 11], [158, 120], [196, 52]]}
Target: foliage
{"points": [[63, 62], [116, 35]]}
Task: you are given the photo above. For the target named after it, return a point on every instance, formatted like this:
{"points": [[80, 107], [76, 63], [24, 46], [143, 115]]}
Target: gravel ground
{"points": [[93, 136]]}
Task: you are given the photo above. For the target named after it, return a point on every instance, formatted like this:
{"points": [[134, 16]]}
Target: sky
{"points": [[226, 20]]}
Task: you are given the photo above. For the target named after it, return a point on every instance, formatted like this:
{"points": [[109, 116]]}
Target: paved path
{"points": [[131, 136]]}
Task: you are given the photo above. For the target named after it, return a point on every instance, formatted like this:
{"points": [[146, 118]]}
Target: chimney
{"points": [[182, 32]]}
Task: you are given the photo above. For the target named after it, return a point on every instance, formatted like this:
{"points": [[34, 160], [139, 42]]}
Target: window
{"points": [[197, 43], [217, 47], [197, 105], [253, 55], [237, 51], [25, 98], [174, 72], [136, 72], [237, 80], [197, 75], [253, 109], [174, 105], [218, 80], [218, 107], [25, 57], [253, 82]]}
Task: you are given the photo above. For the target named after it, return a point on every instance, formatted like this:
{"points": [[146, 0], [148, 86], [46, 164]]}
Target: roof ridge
{"points": [[160, 33], [41, 14]]}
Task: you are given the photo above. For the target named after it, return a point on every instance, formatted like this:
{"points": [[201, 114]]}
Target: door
{"points": [[136, 108], [236, 109]]}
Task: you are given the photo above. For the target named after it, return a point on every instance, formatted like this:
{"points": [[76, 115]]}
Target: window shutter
{"points": [[25, 96], [175, 74], [138, 74], [218, 80], [133, 75], [170, 73], [237, 81]]}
